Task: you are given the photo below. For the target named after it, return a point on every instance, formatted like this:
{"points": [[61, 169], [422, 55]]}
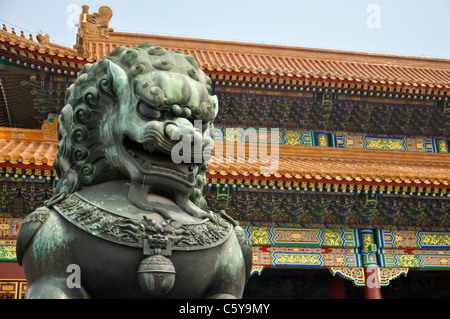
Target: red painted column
{"points": [[372, 289], [369, 249], [336, 289]]}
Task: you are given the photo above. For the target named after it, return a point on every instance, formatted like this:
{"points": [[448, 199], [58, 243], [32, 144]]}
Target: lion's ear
{"points": [[119, 77]]}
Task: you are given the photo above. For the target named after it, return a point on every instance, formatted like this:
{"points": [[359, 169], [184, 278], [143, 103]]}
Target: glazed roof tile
{"points": [[27, 152], [29, 146], [259, 59], [327, 163], [323, 164], [292, 62], [14, 42]]}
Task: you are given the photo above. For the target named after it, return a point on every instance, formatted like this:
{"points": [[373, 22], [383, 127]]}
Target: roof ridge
{"points": [[275, 49], [44, 46]]}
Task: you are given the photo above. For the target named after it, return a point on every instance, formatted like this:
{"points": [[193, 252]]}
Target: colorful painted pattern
{"points": [[388, 274], [336, 139], [380, 143], [442, 146], [391, 251], [12, 289], [413, 249], [415, 261], [311, 237], [302, 204], [8, 250], [324, 247], [270, 256], [8, 253], [413, 239], [303, 247], [9, 227], [412, 144], [356, 274]]}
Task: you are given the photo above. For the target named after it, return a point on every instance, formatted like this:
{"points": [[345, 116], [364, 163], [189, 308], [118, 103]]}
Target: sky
{"points": [[400, 27]]}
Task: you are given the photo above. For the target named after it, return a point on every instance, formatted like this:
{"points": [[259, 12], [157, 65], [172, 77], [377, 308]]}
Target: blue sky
{"points": [[403, 27]]}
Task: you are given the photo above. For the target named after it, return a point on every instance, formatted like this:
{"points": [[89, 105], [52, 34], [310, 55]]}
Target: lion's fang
{"points": [[149, 147]]}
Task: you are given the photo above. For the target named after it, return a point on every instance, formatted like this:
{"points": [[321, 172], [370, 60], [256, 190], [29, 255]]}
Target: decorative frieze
{"points": [[283, 136]]}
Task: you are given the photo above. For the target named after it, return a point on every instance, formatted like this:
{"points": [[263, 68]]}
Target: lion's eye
{"points": [[147, 111]]}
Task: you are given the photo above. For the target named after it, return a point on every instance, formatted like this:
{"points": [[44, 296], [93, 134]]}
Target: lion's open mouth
{"points": [[153, 160]]}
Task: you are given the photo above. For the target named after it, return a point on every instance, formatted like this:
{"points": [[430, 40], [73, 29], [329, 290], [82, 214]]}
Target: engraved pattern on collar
{"points": [[132, 231]]}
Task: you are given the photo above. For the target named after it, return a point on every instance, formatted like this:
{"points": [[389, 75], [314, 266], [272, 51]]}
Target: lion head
{"points": [[142, 114]]}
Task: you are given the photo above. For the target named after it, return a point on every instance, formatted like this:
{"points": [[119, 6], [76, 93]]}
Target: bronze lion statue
{"points": [[128, 219]]}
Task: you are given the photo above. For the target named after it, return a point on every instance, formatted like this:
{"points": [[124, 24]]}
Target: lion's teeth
{"points": [[149, 147]]}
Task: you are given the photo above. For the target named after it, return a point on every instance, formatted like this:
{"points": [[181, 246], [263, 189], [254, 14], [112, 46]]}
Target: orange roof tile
{"points": [[43, 48], [29, 146], [27, 152], [97, 40], [328, 163], [292, 62], [323, 164]]}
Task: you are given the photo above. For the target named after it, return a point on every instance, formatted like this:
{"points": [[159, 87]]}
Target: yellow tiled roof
{"points": [[97, 40], [27, 152], [330, 163], [321, 164], [29, 146]]}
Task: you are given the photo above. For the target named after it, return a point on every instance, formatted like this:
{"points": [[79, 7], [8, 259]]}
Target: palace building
{"points": [[349, 196]]}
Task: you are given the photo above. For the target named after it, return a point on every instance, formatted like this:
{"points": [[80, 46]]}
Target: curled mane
{"points": [[80, 160]]}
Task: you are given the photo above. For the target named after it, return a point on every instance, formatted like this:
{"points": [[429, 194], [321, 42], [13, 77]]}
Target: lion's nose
{"points": [[182, 129], [172, 131]]}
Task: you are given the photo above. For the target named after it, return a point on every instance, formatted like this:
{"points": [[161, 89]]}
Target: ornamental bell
{"points": [[156, 275]]}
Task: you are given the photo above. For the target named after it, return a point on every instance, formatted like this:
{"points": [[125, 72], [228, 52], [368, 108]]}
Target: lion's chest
{"points": [[109, 270], [109, 249]]}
